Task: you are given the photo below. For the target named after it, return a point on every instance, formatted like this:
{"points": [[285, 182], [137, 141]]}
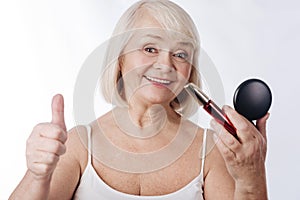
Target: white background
{"points": [[44, 43]]}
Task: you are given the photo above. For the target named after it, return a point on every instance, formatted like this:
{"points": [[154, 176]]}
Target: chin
{"points": [[158, 98], [152, 94]]}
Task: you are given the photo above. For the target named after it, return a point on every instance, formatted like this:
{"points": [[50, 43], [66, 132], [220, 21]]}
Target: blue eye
{"points": [[181, 56]]}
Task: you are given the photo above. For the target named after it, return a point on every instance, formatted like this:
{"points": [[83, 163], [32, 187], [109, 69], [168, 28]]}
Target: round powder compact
{"points": [[252, 99]]}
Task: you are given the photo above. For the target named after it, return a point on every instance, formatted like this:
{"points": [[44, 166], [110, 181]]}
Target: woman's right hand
{"points": [[47, 143]]}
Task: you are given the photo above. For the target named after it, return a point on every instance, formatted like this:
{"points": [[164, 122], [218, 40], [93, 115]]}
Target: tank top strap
{"points": [[89, 143], [203, 151]]}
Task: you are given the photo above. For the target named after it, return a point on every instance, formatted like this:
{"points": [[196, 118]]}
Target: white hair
{"points": [[171, 17]]}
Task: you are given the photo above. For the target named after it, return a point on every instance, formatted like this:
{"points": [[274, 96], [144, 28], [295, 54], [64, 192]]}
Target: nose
{"points": [[164, 62]]}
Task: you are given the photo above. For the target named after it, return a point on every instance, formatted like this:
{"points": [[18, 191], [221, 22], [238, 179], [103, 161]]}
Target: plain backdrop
{"points": [[44, 43]]}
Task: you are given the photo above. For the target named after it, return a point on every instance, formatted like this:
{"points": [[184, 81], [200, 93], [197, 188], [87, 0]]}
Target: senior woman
{"points": [[145, 147]]}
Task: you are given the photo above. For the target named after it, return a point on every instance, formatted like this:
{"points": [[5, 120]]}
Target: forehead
{"points": [[160, 35], [147, 28]]}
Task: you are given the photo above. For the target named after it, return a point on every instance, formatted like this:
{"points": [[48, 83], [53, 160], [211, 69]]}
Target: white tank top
{"points": [[92, 187]]}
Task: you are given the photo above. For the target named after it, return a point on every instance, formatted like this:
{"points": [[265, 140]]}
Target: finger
{"points": [[51, 146], [58, 111], [261, 125], [242, 125], [226, 153], [46, 157], [51, 131], [228, 139]]}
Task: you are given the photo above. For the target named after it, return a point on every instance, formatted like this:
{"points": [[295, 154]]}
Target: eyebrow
{"points": [[184, 43]]}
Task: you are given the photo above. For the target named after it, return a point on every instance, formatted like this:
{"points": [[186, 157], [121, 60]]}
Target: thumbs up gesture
{"points": [[47, 142]]}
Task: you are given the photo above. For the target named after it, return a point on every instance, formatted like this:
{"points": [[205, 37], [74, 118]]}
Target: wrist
{"points": [[32, 187], [251, 190], [253, 178], [40, 180]]}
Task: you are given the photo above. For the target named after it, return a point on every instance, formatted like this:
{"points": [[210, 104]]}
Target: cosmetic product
{"points": [[252, 99], [210, 107]]}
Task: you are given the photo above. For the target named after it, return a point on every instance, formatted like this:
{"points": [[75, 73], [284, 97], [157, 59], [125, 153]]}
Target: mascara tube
{"points": [[210, 107]]}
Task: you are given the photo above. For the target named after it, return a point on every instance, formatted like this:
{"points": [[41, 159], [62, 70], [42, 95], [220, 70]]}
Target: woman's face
{"points": [[156, 64]]}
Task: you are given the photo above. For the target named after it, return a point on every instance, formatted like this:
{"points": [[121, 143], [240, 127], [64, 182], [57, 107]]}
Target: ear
{"points": [[120, 84], [120, 63], [119, 79]]}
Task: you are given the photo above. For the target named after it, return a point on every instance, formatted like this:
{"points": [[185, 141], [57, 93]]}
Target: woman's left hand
{"points": [[245, 157]]}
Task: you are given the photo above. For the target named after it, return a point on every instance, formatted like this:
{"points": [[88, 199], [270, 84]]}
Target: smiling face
{"points": [[156, 64]]}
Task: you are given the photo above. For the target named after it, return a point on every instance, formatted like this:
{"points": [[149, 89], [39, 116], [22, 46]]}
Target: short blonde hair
{"points": [[171, 17]]}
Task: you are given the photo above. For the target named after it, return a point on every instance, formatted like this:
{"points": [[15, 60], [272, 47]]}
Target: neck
{"points": [[148, 115], [144, 121]]}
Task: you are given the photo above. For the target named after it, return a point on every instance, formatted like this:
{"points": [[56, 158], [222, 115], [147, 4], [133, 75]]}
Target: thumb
{"points": [[261, 125], [58, 111]]}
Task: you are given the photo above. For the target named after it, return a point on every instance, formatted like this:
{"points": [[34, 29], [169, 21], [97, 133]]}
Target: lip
{"points": [[160, 81]]}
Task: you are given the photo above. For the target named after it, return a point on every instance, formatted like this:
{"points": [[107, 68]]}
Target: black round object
{"points": [[252, 99]]}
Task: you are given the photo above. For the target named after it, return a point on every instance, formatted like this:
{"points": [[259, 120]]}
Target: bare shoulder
{"points": [[70, 165], [106, 120], [76, 145], [218, 184], [213, 157], [77, 142], [76, 155], [192, 128]]}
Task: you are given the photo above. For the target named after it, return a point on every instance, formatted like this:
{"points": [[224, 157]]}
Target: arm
{"points": [[44, 148], [31, 188], [67, 173], [244, 158], [218, 183], [60, 184]]}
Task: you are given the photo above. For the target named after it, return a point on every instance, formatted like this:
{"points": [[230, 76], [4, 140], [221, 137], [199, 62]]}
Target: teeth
{"points": [[158, 80]]}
